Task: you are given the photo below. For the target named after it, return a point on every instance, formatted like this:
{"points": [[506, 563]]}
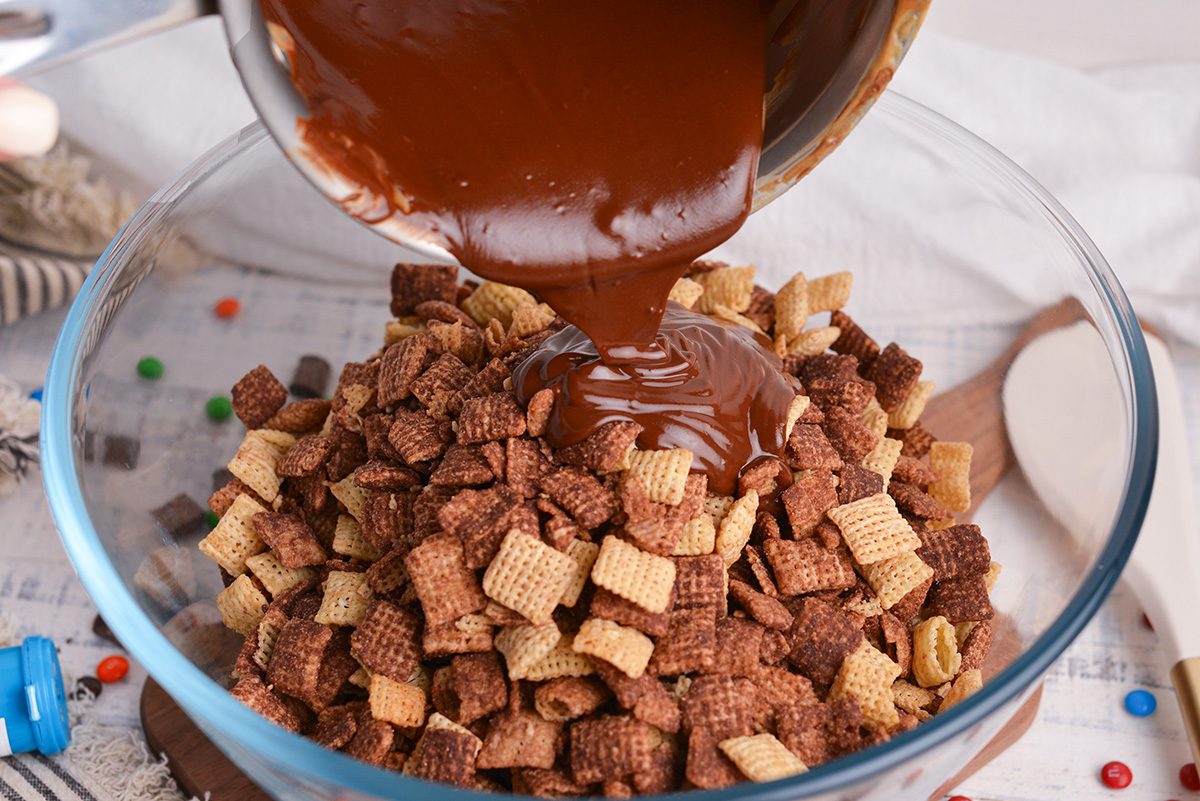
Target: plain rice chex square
{"points": [[561, 660], [524, 646], [272, 574], [639, 577], [351, 495], [528, 576], [396, 702], [725, 286], [348, 540], [663, 474], [584, 553], [257, 459], [623, 647], [346, 599], [241, 605], [699, 537], [736, 527], [867, 676], [234, 538], [952, 462], [762, 758], [874, 529], [896, 577]]}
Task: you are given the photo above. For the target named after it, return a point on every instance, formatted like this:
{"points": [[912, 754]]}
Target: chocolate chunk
{"points": [[220, 478], [311, 377], [180, 516], [101, 630], [87, 687], [121, 451]]}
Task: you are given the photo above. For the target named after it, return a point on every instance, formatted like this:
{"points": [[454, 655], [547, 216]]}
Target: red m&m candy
{"points": [[1189, 778], [1116, 775], [227, 307], [112, 668]]}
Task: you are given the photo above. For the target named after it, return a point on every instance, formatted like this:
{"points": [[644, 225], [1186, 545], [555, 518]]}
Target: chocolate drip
{"points": [[718, 389], [588, 149]]}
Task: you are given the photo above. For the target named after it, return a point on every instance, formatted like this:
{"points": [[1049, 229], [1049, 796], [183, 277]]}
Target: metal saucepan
{"points": [[808, 111]]}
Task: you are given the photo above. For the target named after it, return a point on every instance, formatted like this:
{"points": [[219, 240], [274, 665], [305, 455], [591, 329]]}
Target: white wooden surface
{"points": [[1082, 723]]}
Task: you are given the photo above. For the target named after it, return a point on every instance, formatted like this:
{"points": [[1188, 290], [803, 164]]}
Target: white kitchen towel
{"points": [[1120, 148]]}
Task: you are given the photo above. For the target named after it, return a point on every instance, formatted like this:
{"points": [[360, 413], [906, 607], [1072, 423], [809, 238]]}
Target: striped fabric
{"points": [[31, 284], [34, 777]]}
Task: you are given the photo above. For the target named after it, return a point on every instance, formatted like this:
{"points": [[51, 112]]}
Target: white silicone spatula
{"points": [[1059, 404]]}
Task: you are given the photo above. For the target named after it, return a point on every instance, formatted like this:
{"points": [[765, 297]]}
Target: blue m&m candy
{"points": [[1140, 703]]}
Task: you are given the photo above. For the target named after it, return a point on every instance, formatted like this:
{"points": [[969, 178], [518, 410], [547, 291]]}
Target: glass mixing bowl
{"points": [[953, 249]]}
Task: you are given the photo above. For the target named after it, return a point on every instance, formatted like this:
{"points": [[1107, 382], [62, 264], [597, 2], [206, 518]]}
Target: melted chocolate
{"points": [[719, 391], [587, 149]]}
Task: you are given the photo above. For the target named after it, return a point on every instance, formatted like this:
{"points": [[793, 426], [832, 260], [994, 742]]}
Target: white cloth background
{"points": [[1119, 147]]}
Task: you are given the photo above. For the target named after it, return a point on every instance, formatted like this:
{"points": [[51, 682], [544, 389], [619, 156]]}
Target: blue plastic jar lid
{"points": [[33, 705]]}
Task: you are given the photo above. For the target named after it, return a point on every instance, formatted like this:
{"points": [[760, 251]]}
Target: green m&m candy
{"points": [[218, 407], [150, 367]]}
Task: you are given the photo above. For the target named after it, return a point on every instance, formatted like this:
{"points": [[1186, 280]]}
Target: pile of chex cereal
{"points": [[425, 584]]}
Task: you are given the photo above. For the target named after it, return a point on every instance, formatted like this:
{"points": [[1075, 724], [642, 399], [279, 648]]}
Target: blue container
{"points": [[33, 706]]}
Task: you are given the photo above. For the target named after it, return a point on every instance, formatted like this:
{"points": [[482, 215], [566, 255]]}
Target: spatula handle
{"points": [[1186, 678]]}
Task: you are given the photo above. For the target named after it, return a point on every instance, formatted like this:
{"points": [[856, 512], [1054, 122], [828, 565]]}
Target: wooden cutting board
{"points": [[971, 412]]}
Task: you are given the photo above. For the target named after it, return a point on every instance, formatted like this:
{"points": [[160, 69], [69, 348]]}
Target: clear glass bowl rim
{"points": [[277, 746]]}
